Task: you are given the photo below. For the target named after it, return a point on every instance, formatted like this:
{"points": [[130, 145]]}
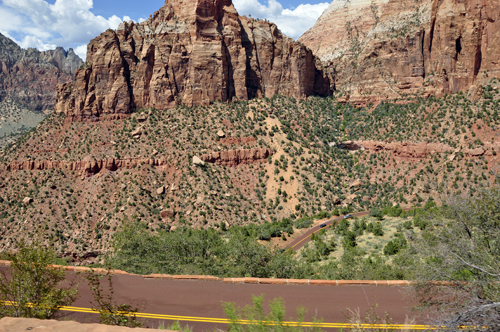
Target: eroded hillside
{"points": [[76, 183]]}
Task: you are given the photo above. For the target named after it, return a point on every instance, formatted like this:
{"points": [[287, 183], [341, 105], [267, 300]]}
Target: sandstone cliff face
{"points": [[388, 48], [31, 77], [237, 157], [91, 166], [418, 150], [189, 52]]}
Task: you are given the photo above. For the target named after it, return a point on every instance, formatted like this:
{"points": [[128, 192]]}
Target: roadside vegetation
{"points": [[359, 248], [310, 170]]}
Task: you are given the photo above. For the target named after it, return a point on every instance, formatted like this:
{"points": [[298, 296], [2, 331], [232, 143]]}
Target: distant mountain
{"points": [[28, 80], [384, 49]]}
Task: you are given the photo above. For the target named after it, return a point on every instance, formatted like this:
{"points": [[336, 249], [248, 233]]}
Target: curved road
{"points": [[204, 299], [299, 242]]}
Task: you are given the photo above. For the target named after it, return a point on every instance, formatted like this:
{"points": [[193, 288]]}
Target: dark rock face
{"points": [[30, 77], [192, 53]]}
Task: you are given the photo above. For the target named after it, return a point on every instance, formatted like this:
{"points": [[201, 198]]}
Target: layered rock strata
{"points": [[384, 49], [30, 77], [418, 150], [236, 157], [90, 165], [191, 53]]}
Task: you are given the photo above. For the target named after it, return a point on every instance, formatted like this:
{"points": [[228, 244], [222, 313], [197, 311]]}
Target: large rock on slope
{"points": [[30, 77], [388, 48], [189, 52]]}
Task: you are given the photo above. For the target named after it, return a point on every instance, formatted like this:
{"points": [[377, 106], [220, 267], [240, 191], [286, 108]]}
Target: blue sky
{"points": [[45, 24]]}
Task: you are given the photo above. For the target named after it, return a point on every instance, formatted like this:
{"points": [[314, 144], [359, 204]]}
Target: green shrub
{"points": [[35, 290], [394, 246], [304, 222], [260, 322], [349, 240], [111, 313]]}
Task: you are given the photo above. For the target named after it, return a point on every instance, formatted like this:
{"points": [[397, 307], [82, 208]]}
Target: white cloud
{"points": [[292, 22], [32, 41], [81, 51], [67, 23]]}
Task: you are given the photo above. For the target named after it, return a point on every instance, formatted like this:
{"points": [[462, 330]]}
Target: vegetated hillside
{"points": [[28, 80], [74, 183]]}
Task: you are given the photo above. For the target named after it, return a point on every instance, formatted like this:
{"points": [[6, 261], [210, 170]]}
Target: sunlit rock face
{"points": [[191, 53], [385, 49]]}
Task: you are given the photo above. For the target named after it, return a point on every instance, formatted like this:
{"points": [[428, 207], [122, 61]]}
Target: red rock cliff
{"points": [[387, 48], [189, 52]]}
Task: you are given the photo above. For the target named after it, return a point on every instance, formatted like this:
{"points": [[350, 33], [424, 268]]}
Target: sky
{"points": [[45, 24]]}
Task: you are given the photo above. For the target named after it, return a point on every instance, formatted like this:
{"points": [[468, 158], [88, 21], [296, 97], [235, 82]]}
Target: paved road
{"points": [[204, 299], [299, 242]]}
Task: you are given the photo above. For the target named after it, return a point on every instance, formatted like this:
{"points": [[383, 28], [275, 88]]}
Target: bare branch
{"points": [[474, 266]]}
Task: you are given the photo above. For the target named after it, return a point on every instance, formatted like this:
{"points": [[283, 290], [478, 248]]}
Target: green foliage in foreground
{"points": [[191, 251], [110, 312], [31, 282], [237, 253], [274, 321]]}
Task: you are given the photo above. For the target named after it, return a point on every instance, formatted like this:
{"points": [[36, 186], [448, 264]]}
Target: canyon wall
{"points": [[383, 49], [30, 77], [191, 53]]}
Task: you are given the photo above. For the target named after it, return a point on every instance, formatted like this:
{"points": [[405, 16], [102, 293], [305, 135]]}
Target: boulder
{"points": [[142, 117], [160, 191], [27, 200], [221, 134], [167, 214], [355, 184], [137, 132], [197, 161]]}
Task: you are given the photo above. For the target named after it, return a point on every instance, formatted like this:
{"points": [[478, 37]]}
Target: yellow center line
{"points": [[246, 322]]}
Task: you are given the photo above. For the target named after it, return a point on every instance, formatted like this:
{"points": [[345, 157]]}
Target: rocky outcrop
{"points": [[87, 166], [417, 150], [66, 61], [237, 157], [30, 77], [384, 49], [192, 53]]}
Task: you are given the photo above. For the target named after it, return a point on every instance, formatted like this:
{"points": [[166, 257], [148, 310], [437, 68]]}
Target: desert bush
{"points": [[253, 319], [111, 313], [33, 290]]}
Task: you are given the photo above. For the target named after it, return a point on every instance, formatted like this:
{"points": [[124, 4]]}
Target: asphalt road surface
{"points": [[204, 299], [299, 242]]}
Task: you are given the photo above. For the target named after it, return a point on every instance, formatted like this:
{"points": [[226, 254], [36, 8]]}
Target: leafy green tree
{"points": [[33, 290]]}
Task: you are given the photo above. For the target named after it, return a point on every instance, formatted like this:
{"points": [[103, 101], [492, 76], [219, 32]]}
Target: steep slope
{"points": [[191, 53], [76, 183], [385, 49]]}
